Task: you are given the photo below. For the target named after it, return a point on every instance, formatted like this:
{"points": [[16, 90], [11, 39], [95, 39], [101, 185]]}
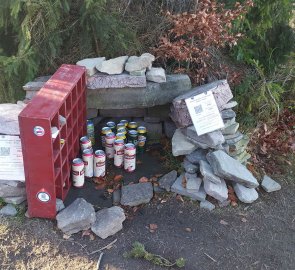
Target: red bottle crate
{"points": [[47, 162]]}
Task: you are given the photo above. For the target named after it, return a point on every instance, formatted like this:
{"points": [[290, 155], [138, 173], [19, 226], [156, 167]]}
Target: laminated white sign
{"points": [[11, 158], [204, 113]]}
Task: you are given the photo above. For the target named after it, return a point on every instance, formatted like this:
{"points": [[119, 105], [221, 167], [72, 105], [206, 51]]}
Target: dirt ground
{"points": [[256, 236]]}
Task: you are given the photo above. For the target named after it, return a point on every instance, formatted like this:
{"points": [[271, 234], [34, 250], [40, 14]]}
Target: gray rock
{"points": [[12, 183], [11, 191], [238, 147], [78, 216], [116, 197], [90, 64], [244, 194], [232, 129], [9, 118], [211, 139], [108, 221], [30, 94], [168, 180], [138, 97], [269, 185], [229, 122], [156, 75], [232, 139], [14, 200], [229, 113], [208, 173], [155, 131], [179, 189], [59, 205], [33, 86], [157, 189], [169, 128], [189, 167], [196, 156], [136, 194], [224, 203], [228, 168], [138, 72], [193, 182], [136, 63], [8, 210], [229, 105], [207, 205], [216, 190], [181, 145], [112, 66], [242, 157]]}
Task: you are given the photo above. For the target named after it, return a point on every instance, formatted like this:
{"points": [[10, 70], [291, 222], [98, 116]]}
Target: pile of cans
{"points": [[121, 143]]}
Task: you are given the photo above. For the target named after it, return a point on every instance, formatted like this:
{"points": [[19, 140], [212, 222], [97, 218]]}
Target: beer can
{"points": [[121, 136], [78, 172], [125, 122], [99, 163], [112, 126], [141, 139], [90, 131], [122, 130], [87, 157], [120, 125], [85, 143], [119, 153], [132, 137], [109, 145], [129, 157], [104, 131], [132, 126]]}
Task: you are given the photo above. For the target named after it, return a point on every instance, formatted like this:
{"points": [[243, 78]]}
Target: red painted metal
{"points": [[47, 162]]}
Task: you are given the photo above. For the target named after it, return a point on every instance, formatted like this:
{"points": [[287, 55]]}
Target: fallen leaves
{"points": [[179, 198], [188, 229], [118, 178], [143, 180], [153, 227]]}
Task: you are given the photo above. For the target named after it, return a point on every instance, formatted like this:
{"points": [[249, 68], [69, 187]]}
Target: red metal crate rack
{"points": [[47, 161]]}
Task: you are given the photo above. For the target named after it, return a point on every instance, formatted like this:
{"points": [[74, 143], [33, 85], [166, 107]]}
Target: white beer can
{"points": [[78, 172], [119, 153], [129, 157], [85, 143], [109, 145], [87, 157], [99, 163]]}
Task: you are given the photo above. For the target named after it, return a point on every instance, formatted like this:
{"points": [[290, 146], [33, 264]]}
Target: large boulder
{"points": [[136, 194], [78, 216]]}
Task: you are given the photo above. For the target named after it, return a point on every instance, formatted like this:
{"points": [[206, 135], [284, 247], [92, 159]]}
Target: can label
{"points": [[87, 157], [99, 163], [78, 172], [129, 157], [119, 153], [141, 140]]}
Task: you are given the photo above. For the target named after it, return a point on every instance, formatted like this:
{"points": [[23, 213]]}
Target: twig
{"points": [[107, 246], [210, 257], [99, 260]]}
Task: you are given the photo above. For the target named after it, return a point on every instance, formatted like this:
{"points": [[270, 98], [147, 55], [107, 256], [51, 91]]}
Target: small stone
{"points": [[136, 194], [138, 72], [116, 197], [244, 194], [14, 200], [108, 221], [156, 75], [229, 113], [189, 167], [232, 129], [169, 128], [228, 168], [232, 139], [181, 145], [11, 191], [136, 63], [196, 156], [8, 210], [208, 173], [270, 185], [59, 205], [157, 189], [238, 147], [179, 189], [193, 182], [207, 205], [168, 180], [112, 66], [90, 64], [242, 157], [229, 122], [216, 190], [78, 216], [224, 203], [230, 105]]}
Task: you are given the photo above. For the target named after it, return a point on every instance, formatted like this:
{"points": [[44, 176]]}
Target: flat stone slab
{"points": [[228, 168], [15, 200], [8, 210], [78, 216], [216, 190], [238, 147], [181, 145], [244, 194], [12, 191], [108, 221], [138, 97], [269, 185], [9, 118], [227, 114], [232, 129], [168, 180], [136, 194], [179, 189], [229, 105], [189, 167], [208, 173], [234, 138], [196, 156], [193, 182], [207, 205]]}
